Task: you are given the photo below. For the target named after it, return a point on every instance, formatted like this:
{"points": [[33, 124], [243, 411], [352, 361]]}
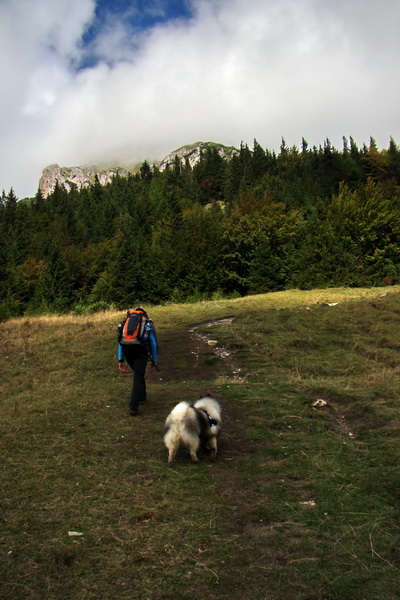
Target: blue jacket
{"points": [[153, 347]]}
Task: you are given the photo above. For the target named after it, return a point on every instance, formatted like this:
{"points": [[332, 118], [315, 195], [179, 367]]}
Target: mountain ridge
{"points": [[84, 176]]}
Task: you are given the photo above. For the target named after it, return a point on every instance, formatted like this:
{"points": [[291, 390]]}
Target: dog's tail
{"points": [[209, 405]]}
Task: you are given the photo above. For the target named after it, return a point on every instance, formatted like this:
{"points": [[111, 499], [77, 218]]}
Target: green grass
{"points": [[303, 502]]}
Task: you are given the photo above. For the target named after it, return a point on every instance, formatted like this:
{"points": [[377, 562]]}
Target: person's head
{"points": [[129, 311], [143, 311]]}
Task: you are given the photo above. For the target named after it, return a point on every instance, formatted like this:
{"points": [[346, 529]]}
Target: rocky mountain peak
{"points": [[76, 176], [192, 153], [84, 176]]}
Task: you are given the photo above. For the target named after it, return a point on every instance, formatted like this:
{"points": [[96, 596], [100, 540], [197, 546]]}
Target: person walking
{"points": [[137, 344]]}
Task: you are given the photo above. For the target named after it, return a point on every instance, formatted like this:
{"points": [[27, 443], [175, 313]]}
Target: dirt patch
{"points": [[189, 355]]}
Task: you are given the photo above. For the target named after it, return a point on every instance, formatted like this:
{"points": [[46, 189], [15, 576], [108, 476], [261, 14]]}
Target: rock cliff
{"points": [[79, 176], [85, 176], [192, 153]]}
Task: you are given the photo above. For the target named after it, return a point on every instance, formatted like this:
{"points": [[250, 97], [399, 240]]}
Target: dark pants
{"points": [[136, 357]]}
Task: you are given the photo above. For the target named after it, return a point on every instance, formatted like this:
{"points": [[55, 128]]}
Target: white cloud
{"points": [[236, 70]]}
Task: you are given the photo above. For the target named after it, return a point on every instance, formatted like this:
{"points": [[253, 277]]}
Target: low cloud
{"points": [[232, 72]]}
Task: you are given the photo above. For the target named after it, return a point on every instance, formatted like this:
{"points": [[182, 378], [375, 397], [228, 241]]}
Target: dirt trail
{"points": [[199, 367]]}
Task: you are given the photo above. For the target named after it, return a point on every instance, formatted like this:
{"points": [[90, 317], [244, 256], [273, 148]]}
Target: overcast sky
{"points": [[120, 81]]}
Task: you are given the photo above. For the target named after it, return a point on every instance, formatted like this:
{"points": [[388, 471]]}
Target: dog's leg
{"points": [[171, 455], [212, 446], [193, 445], [193, 455]]}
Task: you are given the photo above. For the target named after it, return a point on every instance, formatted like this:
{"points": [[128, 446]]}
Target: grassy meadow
{"points": [[302, 503]]}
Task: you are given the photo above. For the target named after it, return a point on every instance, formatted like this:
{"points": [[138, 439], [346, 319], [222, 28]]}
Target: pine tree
{"points": [[259, 161], [146, 173], [393, 161], [375, 162]]}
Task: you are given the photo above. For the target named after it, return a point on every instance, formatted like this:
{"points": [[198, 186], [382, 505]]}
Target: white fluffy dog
{"points": [[191, 425]]}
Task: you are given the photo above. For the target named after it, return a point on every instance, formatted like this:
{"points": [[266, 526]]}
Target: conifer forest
{"points": [[307, 217]]}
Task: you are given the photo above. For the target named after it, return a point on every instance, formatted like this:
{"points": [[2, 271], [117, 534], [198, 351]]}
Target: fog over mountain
{"points": [[99, 82]]}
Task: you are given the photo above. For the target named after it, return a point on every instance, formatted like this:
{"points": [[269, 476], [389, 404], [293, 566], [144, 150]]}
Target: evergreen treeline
{"points": [[262, 221]]}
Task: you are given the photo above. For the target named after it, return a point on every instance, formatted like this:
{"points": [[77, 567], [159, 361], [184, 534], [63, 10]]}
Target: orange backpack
{"points": [[133, 327]]}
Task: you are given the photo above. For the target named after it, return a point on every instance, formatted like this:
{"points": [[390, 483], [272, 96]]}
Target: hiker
{"points": [[137, 343]]}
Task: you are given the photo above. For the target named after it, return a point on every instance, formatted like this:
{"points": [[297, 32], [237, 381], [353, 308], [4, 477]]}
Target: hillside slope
{"points": [[302, 501]]}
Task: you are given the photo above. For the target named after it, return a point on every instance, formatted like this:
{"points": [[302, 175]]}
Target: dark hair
{"points": [[143, 311]]}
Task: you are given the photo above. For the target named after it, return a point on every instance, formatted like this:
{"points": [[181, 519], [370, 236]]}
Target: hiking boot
{"points": [[133, 412]]}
